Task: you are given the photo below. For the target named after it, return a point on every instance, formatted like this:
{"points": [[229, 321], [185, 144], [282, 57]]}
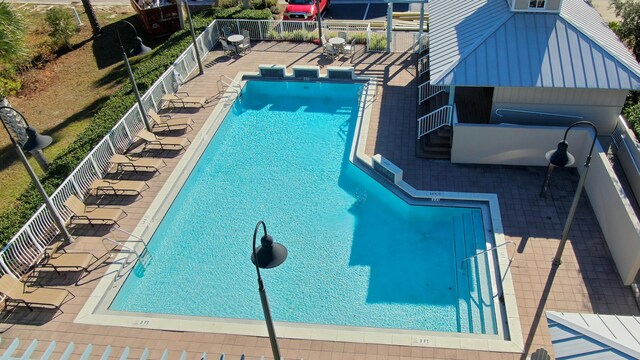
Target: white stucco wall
{"points": [[601, 107], [526, 145]]}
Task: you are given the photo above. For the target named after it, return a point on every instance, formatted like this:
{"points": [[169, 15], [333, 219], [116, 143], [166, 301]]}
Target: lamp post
{"points": [[139, 49], [268, 255], [561, 158], [193, 37], [36, 142]]}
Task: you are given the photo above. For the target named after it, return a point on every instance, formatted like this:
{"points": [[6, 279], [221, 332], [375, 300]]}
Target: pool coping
{"points": [[94, 310]]}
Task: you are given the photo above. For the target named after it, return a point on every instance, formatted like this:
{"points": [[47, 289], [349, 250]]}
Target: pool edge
{"points": [[93, 312]]}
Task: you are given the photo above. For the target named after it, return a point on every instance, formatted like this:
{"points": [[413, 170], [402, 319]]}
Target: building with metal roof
{"points": [[594, 336], [490, 44], [523, 62]]}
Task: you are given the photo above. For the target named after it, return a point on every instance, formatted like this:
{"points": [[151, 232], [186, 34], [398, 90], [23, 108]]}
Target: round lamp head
{"points": [[35, 141], [269, 254], [560, 157], [140, 48]]}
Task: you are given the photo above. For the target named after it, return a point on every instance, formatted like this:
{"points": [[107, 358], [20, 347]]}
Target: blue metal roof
{"points": [[594, 336], [486, 44]]}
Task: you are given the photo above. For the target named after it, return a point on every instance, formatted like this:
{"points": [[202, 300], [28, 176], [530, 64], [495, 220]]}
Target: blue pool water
{"points": [[358, 254]]}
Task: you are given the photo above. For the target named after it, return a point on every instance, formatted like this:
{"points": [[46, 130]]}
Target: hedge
{"points": [[237, 12], [147, 71]]}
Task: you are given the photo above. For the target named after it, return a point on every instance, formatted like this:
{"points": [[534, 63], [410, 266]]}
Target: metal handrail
{"points": [[491, 249], [423, 65], [233, 85], [118, 243], [427, 91], [537, 113], [434, 120]]}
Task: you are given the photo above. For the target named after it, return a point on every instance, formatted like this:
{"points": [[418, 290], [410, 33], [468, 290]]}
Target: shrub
{"points": [[226, 13], [275, 9], [225, 4], [272, 3], [62, 27], [378, 42], [264, 14], [360, 37], [256, 4], [10, 83], [146, 73], [632, 114]]}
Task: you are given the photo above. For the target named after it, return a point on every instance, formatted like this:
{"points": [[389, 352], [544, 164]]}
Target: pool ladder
{"points": [[142, 259], [226, 83]]}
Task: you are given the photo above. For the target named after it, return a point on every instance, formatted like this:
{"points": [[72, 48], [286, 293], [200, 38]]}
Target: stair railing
{"points": [[423, 65], [434, 120], [513, 254], [427, 91]]}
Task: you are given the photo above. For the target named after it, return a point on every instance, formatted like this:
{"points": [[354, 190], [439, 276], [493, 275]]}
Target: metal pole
{"points": [[263, 297], [557, 260], [133, 79], [135, 90], [47, 202], [319, 19], [269, 321], [193, 36]]}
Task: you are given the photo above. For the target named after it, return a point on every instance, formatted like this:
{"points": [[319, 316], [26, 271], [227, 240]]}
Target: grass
{"points": [[59, 97]]}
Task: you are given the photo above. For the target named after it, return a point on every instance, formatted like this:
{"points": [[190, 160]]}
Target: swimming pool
{"points": [[358, 254]]}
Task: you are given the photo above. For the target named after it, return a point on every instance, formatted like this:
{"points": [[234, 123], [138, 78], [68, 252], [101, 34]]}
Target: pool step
{"points": [[486, 290], [476, 314], [463, 311]]}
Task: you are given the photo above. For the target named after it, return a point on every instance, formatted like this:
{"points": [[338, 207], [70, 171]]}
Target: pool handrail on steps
{"points": [[513, 254]]}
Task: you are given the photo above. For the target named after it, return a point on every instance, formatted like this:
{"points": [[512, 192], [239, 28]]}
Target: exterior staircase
{"points": [[434, 144]]}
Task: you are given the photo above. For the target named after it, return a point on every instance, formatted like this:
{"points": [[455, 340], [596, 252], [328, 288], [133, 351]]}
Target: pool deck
{"points": [[587, 281]]}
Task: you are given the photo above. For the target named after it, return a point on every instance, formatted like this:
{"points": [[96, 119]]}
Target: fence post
{"points": [[32, 237], [126, 127], [5, 267], [260, 29], [113, 148]]}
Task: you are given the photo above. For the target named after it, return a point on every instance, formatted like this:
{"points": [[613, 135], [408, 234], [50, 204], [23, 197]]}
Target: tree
{"points": [[12, 49], [93, 20], [629, 28], [12, 31]]}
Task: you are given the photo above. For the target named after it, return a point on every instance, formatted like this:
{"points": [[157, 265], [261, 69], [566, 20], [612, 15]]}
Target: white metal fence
{"points": [[290, 29], [434, 120], [28, 245]]}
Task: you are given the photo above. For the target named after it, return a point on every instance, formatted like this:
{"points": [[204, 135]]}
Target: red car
{"points": [[304, 9]]}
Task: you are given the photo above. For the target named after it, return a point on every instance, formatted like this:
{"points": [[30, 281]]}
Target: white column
{"points": [[389, 24], [421, 22]]}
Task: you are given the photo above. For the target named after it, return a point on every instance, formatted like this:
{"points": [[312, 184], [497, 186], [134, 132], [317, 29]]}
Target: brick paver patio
{"points": [[587, 281]]}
